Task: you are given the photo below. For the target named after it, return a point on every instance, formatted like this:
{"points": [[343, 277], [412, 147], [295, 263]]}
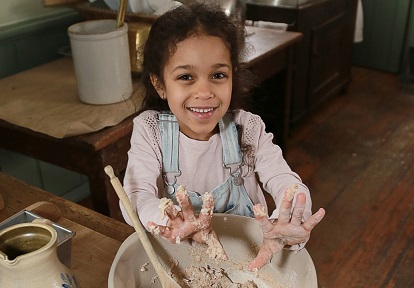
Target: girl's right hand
{"points": [[187, 225]]}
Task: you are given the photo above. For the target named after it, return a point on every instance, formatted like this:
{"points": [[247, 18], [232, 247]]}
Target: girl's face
{"points": [[198, 85]]}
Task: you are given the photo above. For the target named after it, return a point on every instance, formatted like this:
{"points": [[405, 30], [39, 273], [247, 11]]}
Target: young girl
{"points": [[192, 133]]}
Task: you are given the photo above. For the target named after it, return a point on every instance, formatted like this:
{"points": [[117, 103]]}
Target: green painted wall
{"points": [[18, 11], [407, 67], [31, 35], [33, 40]]}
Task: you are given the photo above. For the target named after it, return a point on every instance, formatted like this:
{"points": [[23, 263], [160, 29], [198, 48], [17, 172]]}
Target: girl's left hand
{"points": [[187, 225], [288, 229]]}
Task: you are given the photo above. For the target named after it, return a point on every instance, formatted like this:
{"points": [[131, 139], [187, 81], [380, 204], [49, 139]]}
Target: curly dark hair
{"points": [[177, 25]]}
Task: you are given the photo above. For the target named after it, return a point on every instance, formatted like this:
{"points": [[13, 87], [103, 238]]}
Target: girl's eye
{"points": [[185, 77], [219, 75]]}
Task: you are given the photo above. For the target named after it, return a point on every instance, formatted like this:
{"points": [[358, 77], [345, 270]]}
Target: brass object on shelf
{"points": [[137, 36]]}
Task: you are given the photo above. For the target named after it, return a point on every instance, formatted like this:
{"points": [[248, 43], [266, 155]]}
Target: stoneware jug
{"points": [[28, 258]]}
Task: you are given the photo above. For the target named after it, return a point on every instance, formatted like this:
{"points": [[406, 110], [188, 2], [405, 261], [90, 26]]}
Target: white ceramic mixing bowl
{"points": [[240, 236]]}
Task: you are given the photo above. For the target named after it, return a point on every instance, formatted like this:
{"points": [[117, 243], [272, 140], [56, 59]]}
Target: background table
{"points": [[271, 60], [97, 238]]}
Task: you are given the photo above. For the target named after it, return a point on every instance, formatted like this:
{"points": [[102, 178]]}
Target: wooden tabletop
{"points": [[97, 237]]}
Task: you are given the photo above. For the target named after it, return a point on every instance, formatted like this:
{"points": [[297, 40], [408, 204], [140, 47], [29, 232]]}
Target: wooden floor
{"points": [[357, 157]]}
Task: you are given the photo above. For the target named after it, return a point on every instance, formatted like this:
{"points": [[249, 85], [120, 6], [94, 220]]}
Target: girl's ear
{"points": [[158, 85]]}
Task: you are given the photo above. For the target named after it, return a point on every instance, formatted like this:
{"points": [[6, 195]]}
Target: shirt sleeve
{"points": [[143, 173], [271, 168]]}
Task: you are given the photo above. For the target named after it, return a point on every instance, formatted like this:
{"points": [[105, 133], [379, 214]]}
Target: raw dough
{"points": [[290, 192], [165, 203], [208, 277]]}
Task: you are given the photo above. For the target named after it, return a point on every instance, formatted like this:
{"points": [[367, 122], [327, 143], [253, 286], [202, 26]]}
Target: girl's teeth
{"points": [[201, 110]]}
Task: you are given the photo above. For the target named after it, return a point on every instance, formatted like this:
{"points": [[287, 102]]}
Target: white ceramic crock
{"points": [[101, 59]]}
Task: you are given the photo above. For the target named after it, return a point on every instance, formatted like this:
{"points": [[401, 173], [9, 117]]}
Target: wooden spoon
{"points": [[165, 278], [121, 13]]}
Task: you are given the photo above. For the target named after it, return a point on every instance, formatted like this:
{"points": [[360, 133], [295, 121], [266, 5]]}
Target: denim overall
{"points": [[229, 197]]}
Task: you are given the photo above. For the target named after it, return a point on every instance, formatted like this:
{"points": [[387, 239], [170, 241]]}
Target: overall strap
{"points": [[169, 129], [230, 141]]}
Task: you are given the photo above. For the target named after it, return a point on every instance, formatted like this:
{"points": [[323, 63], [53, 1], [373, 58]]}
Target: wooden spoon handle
{"points": [[136, 223], [120, 17]]}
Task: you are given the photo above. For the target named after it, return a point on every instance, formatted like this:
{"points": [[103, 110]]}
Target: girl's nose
{"points": [[203, 91], [203, 95]]}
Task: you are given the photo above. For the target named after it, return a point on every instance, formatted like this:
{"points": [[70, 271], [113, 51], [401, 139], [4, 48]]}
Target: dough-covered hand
{"points": [[288, 229], [187, 225]]}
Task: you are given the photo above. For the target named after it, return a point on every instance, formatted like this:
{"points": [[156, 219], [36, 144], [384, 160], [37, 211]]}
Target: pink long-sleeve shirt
{"points": [[201, 166]]}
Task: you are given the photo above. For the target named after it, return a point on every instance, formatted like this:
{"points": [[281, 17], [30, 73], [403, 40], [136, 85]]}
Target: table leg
{"points": [[104, 198], [2, 204]]}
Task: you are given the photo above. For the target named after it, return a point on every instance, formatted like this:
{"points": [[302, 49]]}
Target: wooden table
{"points": [[97, 238], [88, 154]]}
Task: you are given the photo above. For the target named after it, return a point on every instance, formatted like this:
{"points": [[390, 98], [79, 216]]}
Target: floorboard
{"points": [[356, 154]]}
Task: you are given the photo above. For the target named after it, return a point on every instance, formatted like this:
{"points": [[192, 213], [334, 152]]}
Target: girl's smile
{"points": [[198, 84], [202, 113]]}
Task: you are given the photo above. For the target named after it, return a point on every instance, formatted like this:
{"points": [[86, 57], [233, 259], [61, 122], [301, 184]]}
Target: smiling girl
{"points": [[193, 133]]}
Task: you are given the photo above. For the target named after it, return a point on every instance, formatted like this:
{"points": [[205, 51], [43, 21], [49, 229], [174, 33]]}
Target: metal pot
{"points": [[234, 8]]}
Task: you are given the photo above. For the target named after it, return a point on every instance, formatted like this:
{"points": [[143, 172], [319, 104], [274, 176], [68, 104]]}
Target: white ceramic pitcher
{"points": [[28, 258]]}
